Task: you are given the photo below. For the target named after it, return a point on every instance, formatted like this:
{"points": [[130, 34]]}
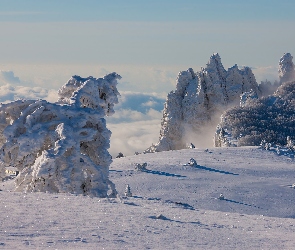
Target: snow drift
{"points": [[62, 146]]}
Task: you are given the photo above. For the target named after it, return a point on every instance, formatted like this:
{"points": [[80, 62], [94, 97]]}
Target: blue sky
{"points": [[44, 42], [152, 10], [163, 32]]}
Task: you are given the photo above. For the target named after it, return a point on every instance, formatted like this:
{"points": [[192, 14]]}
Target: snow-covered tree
{"points": [[221, 138], [269, 119], [63, 146], [268, 88], [246, 97], [290, 144]]}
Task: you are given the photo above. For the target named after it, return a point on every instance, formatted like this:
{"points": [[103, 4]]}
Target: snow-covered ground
{"points": [[173, 206]]}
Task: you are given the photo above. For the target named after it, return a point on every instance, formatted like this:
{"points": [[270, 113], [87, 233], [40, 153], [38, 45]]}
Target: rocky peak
{"points": [[198, 100], [286, 68]]}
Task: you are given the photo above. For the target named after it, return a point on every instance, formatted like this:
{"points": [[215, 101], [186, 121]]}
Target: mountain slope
{"points": [[173, 206]]}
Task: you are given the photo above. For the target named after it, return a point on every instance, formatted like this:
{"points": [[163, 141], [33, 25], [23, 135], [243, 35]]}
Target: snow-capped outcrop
{"points": [[286, 68], [198, 98], [286, 73], [61, 147]]}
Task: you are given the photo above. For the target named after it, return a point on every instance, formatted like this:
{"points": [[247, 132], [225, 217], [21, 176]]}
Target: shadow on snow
{"points": [[162, 173], [215, 170], [237, 202]]}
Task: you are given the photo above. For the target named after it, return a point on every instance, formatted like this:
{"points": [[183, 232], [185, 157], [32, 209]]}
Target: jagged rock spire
{"points": [[198, 98], [286, 68]]}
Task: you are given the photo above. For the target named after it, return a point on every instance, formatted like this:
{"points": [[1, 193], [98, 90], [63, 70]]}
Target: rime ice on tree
{"points": [[260, 121], [61, 147], [290, 143], [246, 97]]}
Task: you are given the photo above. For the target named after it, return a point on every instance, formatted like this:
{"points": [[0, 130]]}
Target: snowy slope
{"points": [[257, 213]]}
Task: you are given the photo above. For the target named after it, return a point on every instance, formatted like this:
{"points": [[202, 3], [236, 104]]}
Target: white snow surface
{"points": [[174, 205]]}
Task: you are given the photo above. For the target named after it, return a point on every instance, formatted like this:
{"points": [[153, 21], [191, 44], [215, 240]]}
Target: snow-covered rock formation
{"points": [[199, 99], [286, 73], [61, 147], [286, 68]]}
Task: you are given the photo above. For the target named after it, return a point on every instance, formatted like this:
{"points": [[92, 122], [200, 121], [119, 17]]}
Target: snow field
{"points": [[173, 206]]}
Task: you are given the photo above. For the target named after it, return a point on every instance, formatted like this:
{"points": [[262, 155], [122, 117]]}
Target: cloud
{"points": [[266, 73], [8, 77], [136, 122], [134, 106], [128, 115], [141, 102], [132, 137], [10, 93], [12, 88]]}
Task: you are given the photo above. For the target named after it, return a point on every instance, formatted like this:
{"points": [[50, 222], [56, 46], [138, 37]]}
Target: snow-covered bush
{"points": [[268, 88], [190, 146], [140, 167], [192, 162], [247, 97], [265, 145], [269, 118], [63, 146], [120, 155], [290, 143]]}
